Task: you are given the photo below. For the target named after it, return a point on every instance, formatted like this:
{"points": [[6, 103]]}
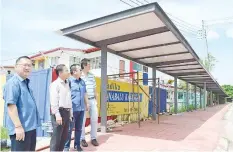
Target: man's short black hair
{"points": [[73, 68], [84, 62], [22, 57], [59, 68]]}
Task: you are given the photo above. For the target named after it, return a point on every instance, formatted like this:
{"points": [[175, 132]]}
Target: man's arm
{"points": [[11, 96], [95, 90], [54, 100], [13, 113]]}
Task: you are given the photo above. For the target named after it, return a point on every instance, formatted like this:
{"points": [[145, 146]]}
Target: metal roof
{"points": [[147, 36]]}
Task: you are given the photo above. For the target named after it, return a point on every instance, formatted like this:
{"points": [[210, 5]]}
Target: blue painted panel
{"points": [[40, 82], [163, 100], [145, 78]]}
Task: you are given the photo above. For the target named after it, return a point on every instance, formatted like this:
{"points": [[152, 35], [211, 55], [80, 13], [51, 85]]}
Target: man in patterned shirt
{"points": [[92, 96]]}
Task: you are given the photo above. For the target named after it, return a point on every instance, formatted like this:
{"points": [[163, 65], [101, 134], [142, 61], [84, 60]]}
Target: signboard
{"points": [[122, 99]]}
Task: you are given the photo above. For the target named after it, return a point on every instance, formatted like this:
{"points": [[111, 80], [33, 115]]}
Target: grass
{"points": [[4, 134]]}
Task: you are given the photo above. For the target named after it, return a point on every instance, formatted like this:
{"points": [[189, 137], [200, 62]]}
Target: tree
{"points": [[228, 89], [209, 62]]}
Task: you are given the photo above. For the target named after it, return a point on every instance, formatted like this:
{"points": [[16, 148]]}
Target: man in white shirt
{"points": [[61, 108], [93, 110]]}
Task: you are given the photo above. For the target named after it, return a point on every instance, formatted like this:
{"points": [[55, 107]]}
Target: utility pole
{"points": [[204, 33]]}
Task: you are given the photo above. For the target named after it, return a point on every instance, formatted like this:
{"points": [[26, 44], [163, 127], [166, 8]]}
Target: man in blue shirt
{"points": [[79, 105], [22, 117]]}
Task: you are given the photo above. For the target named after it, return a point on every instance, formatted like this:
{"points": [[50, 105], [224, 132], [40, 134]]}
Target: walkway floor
{"points": [[195, 131]]}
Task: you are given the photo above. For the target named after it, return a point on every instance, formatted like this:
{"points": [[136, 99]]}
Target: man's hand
{"points": [[59, 120], [71, 119], [87, 107], [20, 134]]}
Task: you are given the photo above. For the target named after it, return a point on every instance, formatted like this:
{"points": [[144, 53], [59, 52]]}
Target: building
{"points": [[115, 64]]}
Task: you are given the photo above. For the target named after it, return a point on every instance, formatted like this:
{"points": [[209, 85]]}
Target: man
{"points": [[9, 75], [61, 108], [79, 103], [92, 96], [22, 117]]}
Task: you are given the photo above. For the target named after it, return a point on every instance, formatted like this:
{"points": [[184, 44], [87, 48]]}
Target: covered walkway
{"points": [[147, 36]]}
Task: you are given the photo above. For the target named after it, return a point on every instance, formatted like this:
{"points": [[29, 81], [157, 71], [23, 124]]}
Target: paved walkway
{"points": [[193, 131]]}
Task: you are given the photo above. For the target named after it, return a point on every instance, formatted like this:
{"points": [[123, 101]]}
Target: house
{"points": [[69, 56]]}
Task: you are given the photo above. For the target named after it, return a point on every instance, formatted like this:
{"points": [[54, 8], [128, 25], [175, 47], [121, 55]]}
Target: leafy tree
{"points": [[209, 62], [228, 89]]}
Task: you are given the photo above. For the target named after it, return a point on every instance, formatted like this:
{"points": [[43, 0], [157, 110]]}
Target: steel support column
{"points": [[175, 95], [187, 96], [200, 100], [205, 96], [104, 82], [195, 97], [154, 95], [218, 99], [211, 98]]}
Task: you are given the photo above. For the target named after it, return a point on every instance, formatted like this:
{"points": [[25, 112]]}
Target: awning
{"points": [[147, 36]]}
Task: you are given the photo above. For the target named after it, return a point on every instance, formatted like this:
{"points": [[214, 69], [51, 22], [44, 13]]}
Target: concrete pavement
{"points": [[192, 131]]}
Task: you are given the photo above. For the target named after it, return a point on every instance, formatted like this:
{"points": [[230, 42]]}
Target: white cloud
{"points": [[211, 35], [229, 33]]}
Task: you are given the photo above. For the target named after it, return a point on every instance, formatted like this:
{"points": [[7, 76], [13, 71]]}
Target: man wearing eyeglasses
{"points": [[79, 104], [22, 116]]}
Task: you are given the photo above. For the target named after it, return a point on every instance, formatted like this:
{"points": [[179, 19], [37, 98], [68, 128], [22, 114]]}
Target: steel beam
{"points": [[104, 83]]}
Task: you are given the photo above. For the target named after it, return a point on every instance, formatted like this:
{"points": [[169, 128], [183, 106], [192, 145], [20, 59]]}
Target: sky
{"points": [[28, 27]]}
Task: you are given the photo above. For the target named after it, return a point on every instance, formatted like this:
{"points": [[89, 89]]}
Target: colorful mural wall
{"points": [[123, 100]]}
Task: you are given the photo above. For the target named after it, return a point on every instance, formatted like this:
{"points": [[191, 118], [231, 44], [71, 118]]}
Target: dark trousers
{"points": [[78, 123], [60, 132], [67, 144], [29, 143]]}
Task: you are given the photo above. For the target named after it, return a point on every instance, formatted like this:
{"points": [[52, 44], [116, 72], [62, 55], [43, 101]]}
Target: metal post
{"points": [[104, 82], [211, 98], [154, 103], [175, 95], [195, 97], [218, 99], [205, 96], [158, 99], [200, 99], [138, 99], [187, 96]]}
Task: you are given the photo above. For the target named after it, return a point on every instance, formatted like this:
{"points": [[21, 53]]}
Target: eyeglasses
{"points": [[26, 65]]}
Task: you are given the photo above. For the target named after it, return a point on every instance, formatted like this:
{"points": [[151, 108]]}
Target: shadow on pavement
{"points": [[101, 140], [175, 127]]}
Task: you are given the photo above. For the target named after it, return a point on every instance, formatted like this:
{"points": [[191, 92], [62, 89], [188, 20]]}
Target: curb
{"points": [[223, 142]]}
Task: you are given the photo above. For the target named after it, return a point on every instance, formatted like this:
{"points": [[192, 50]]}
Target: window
{"points": [[54, 61], [74, 60], [41, 65], [145, 69], [121, 68], [95, 62], [180, 95]]}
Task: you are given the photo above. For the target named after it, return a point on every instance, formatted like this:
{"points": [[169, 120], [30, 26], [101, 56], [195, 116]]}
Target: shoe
{"points": [[94, 142], [79, 149], [84, 143]]}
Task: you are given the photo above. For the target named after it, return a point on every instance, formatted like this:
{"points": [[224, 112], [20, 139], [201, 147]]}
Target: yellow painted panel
{"points": [[122, 100], [2, 83]]}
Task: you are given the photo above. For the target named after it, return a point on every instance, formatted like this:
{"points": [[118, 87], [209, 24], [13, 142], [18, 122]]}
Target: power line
{"points": [[134, 2], [126, 3], [140, 2], [220, 19]]}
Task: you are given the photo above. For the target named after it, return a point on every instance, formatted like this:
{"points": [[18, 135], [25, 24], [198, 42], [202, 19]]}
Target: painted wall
{"points": [[123, 100], [2, 83]]}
